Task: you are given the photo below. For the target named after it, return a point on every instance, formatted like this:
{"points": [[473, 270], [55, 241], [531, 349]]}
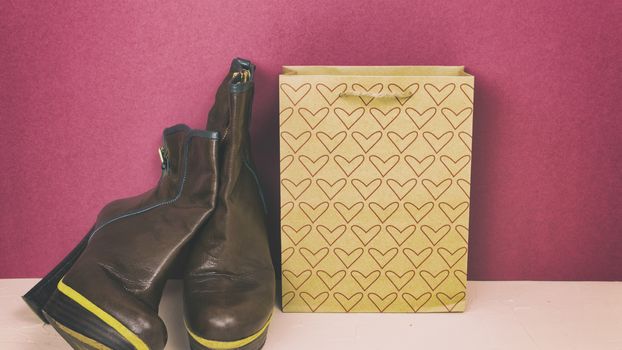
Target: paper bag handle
{"points": [[403, 94]]}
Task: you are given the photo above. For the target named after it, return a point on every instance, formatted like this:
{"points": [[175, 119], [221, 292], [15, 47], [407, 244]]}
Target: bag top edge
{"points": [[440, 71]]}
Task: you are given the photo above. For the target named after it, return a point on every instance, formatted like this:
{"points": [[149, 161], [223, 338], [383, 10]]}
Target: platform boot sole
{"points": [[40, 294], [253, 342], [81, 328]]}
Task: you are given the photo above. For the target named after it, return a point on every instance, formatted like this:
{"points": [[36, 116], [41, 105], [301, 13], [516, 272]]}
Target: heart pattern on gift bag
{"points": [[375, 190]]}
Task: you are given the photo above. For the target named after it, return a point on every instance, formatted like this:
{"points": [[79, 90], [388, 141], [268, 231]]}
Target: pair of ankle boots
{"points": [[208, 205]]}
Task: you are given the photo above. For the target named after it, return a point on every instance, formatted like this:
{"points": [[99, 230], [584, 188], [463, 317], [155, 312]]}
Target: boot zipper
{"points": [[163, 151], [261, 196]]}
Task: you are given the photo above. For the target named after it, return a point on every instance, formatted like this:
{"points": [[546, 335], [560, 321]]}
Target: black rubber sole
{"points": [[38, 296], [80, 326], [254, 345], [74, 339]]}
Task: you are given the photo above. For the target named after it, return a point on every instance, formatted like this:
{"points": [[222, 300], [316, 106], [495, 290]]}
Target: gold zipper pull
{"points": [[163, 152], [245, 75], [242, 76]]}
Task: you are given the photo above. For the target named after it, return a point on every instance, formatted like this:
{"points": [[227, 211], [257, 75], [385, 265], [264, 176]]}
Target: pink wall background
{"points": [[86, 88]]}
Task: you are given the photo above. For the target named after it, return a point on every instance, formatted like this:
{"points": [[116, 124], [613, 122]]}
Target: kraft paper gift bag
{"points": [[375, 178]]}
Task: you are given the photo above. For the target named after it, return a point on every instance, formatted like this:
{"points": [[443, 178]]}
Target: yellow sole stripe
{"points": [[226, 345], [103, 315], [81, 338]]}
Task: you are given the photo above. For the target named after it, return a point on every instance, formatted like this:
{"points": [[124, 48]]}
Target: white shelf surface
{"points": [[500, 315]]}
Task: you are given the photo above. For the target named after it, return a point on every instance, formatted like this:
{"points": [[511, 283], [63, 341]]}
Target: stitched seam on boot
{"points": [[160, 204]]}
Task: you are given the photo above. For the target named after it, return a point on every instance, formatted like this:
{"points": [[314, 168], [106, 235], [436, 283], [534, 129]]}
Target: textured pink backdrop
{"points": [[86, 88]]}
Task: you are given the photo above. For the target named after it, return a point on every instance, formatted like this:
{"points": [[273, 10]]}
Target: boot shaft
{"points": [[189, 165], [136, 240], [189, 161], [236, 237], [231, 116]]}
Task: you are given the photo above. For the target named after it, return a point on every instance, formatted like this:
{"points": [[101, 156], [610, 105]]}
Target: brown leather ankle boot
{"points": [[105, 294], [229, 276]]}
